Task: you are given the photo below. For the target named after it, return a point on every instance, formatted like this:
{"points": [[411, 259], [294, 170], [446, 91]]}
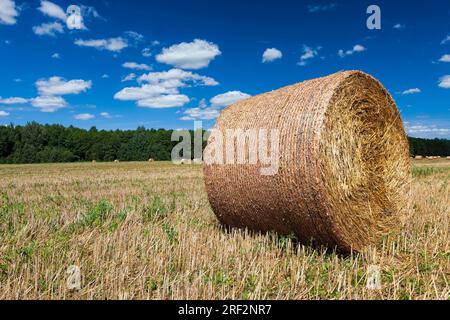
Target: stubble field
{"points": [[146, 231]]}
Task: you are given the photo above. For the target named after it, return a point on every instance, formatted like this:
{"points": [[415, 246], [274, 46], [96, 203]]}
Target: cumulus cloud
{"points": [[57, 86], [129, 77], [8, 12], [164, 101], [271, 54], [193, 55], [52, 89], [106, 115], [162, 89], [84, 116], [217, 103], [444, 82], [398, 26], [56, 56], [202, 112], [48, 29], [105, 76], [136, 66], [3, 114], [228, 98], [177, 78], [321, 8], [50, 92], [111, 44], [13, 100], [445, 58], [411, 91], [48, 103], [52, 10], [356, 49]]}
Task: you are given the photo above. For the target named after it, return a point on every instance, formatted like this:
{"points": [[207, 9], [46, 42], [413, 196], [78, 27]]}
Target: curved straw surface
{"points": [[344, 163]]}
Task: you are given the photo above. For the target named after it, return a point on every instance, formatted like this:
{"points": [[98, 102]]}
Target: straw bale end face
{"points": [[343, 173]]}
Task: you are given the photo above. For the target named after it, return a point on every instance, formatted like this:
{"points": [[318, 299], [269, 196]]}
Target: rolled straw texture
{"points": [[344, 172]]}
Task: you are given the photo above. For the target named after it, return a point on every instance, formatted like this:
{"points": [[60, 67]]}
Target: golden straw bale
{"points": [[344, 173]]}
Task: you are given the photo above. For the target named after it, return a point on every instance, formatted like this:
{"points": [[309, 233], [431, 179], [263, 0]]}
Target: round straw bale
{"points": [[344, 168]]}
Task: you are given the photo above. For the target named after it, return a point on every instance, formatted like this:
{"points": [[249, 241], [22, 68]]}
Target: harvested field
{"points": [[146, 231]]}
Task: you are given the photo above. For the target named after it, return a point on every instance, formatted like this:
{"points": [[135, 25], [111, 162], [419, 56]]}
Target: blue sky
{"points": [[162, 64]]}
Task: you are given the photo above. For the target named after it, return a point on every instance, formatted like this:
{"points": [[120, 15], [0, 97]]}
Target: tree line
{"points": [[36, 143]]}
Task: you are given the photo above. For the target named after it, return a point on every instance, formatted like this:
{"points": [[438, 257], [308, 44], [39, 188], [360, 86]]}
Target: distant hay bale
{"points": [[151, 160], [93, 161], [419, 158], [116, 161], [344, 168]]}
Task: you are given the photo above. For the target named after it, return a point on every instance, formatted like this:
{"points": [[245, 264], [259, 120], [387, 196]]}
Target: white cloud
{"points": [[357, 48], [419, 128], [13, 100], [146, 52], [202, 112], [205, 112], [446, 39], [136, 66], [137, 37], [106, 115], [105, 76], [142, 92], [8, 12], [271, 54], [228, 98], [411, 91], [308, 53], [319, 8], [84, 116], [56, 56], [57, 86], [48, 103], [177, 78], [129, 77], [445, 58], [3, 114], [193, 55], [112, 44], [48, 29], [399, 26], [444, 82], [162, 89], [52, 10], [164, 101]]}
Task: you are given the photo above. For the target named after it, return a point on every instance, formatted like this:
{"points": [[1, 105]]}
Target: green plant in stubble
{"points": [[156, 210]]}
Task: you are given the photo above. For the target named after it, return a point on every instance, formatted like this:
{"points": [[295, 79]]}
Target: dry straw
{"points": [[344, 172]]}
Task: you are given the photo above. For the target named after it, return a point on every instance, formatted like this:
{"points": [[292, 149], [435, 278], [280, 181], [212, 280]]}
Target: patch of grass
{"points": [[421, 172], [155, 211]]}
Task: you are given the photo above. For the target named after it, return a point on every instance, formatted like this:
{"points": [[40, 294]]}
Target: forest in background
{"points": [[37, 143]]}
